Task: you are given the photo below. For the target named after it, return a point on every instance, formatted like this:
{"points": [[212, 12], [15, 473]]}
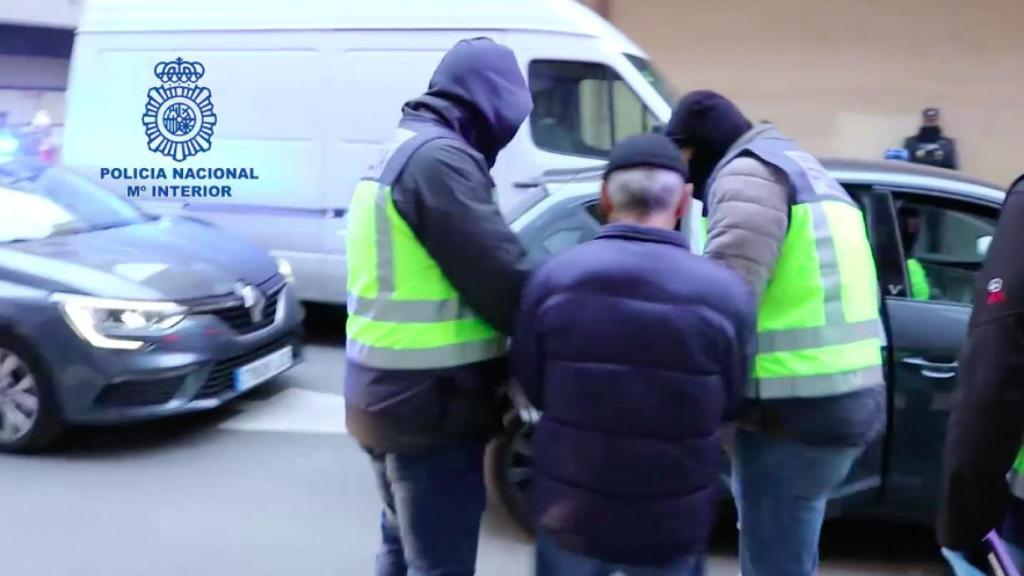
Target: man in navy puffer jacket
{"points": [[636, 352]]}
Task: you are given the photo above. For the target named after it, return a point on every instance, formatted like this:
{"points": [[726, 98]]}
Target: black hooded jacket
{"points": [[929, 146], [446, 195], [986, 424]]}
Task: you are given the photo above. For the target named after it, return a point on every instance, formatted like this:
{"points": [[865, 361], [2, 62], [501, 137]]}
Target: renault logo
{"points": [[252, 299]]}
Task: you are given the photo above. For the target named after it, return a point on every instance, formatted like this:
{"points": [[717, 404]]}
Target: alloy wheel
{"points": [[516, 473], [19, 398]]}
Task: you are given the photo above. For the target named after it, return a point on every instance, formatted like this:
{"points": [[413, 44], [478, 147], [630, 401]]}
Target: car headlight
{"points": [[284, 268], [116, 324]]}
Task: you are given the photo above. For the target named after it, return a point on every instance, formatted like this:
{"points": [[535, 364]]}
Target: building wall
{"points": [[849, 77], [48, 13]]}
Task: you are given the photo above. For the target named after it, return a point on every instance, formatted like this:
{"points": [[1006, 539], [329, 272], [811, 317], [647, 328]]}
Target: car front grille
{"points": [[221, 377], [138, 393], [232, 311]]}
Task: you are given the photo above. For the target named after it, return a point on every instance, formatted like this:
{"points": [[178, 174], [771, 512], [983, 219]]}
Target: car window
{"points": [[566, 224], [944, 244], [582, 108], [38, 203], [593, 208]]}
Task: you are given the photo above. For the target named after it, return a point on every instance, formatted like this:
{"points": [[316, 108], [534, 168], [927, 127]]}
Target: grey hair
{"points": [[644, 190]]}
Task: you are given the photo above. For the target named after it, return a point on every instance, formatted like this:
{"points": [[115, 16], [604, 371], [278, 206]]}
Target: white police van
{"points": [[260, 116]]}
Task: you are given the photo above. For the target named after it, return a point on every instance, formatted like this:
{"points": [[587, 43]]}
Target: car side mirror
{"points": [[983, 244]]}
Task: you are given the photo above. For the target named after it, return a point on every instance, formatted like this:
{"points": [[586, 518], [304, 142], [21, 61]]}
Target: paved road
{"points": [[272, 486]]}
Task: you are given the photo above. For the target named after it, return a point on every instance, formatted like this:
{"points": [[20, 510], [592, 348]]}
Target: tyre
{"points": [[511, 462], [29, 418]]}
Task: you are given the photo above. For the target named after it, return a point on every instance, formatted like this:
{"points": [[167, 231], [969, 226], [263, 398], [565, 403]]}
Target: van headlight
{"points": [[284, 268], [115, 324]]}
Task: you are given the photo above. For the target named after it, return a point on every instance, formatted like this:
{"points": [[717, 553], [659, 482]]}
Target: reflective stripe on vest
{"points": [[825, 354], [403, 312], [920, 287], [819, 331]]}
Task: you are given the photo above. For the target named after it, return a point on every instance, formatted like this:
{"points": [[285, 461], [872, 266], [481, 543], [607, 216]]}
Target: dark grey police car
{"points": [[937, 221], [109, 315]]}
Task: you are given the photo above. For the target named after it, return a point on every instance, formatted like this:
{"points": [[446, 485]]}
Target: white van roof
{"points": [[559, 16]]}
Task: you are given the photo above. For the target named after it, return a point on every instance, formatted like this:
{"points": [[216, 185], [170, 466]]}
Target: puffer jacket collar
{"points": [[753, 134], [640, 233]]}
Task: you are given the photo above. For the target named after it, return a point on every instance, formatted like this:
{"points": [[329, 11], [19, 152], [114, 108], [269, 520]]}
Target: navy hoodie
{"points": [[445, 193]]}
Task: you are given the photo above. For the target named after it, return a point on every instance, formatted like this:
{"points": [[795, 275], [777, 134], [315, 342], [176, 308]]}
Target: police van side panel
{"points": [[294, 118], [290, 120], [256, 167]]}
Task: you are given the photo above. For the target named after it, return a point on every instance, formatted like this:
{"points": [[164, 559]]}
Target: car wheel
{"points": [[511, 464], [29, 419]]}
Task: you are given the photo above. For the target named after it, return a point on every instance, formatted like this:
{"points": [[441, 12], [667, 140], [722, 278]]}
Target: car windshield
{"points": [[42, 202], [654, 77]]}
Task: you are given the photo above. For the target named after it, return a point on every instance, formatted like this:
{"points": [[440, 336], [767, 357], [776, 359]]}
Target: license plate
{"points": [[263, 369]]}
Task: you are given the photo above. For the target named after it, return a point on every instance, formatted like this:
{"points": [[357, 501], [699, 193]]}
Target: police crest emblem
{"points": [[179, 116]]}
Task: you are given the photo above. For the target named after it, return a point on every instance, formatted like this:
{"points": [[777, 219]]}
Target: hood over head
{"points": [[710, 124], [481, 80]]}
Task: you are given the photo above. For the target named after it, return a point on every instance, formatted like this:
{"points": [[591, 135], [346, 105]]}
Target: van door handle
{"points": [[929, 369]]}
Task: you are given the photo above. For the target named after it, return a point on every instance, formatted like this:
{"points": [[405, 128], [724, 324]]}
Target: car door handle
{"points": [[929, 369]]}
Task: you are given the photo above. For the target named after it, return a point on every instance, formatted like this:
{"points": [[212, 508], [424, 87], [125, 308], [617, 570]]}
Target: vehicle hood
{"points": [[167, 258]]}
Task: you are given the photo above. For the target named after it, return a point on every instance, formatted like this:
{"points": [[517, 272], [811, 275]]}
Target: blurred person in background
{"points": [[434, 280], [910, 229], [983, 479], [929, 146], [817, 397], [636, 352]]}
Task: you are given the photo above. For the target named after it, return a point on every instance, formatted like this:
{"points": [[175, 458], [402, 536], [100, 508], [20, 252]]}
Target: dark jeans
{"points": [[553, 560], [433, 504], [781, 488]]}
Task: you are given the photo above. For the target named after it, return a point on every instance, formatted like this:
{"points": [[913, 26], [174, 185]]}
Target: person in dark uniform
{"points": [[434, 282], [983, 488], [929, 146]]}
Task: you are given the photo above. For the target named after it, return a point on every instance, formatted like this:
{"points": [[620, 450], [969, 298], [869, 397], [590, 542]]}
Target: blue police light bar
{"points": [[897, 154]]}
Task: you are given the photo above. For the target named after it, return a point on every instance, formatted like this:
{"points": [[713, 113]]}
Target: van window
{"points": [[583, 109], [651, 74]]}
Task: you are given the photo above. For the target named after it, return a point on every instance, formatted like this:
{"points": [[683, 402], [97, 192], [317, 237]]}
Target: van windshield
{"points": [[654, 77]]}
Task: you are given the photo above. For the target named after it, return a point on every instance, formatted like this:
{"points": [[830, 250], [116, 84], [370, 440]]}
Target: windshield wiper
{"points": [[107, 226]]}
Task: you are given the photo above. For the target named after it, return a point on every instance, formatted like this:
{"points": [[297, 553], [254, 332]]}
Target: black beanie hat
{"points": [[709, 123], [706, 119], [649, 150]]}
